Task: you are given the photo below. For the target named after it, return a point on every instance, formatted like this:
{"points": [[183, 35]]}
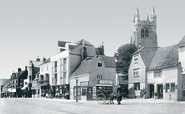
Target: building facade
{"points": [[41, 82], [94, 73], [159, 72], [65, 63]]}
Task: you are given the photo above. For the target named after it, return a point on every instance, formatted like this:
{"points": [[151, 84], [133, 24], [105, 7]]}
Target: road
{"points": [[56, 106]]}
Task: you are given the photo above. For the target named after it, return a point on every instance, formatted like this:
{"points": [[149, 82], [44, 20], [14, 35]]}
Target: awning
{"points": [[25, 86]]}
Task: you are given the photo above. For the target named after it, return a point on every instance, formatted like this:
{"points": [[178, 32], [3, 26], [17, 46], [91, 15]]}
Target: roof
{"points": [[108, 61], [87, 64], [36, 63], [147, 54], [47, 61], [4, 81], [182, 41], [82, 41], [62, 43], [165, 57]]}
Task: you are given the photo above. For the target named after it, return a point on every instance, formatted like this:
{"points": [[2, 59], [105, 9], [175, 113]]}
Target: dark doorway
{"points": [[151, 90]]}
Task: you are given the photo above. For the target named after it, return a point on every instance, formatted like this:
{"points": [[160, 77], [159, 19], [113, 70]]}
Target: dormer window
{"points": [[99, 64]]}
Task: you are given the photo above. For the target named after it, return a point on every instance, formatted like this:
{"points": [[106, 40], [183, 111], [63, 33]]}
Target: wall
{"points": [[142, 74], [169, 75], [107, 74]]}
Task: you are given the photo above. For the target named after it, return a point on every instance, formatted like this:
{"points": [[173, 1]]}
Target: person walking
{"points": [[119, 98], [112, 98]]}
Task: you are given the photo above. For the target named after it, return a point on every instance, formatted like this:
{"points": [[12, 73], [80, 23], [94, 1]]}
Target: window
{"points": [[55, 66], [170, 87], [167, 87], [84, 91], [55, 79], [157, 73], [136, 72], [142, 33], [64, 77], [99, 77], [136, 59], [136, 86], [146, 33], [99, 64]]}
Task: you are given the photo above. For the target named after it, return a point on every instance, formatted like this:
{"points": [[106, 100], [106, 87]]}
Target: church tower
{"points": [[144, 31]]}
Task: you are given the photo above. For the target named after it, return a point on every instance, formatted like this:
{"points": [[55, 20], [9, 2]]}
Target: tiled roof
{"points": [[165, 57], [85, 67], [147, 54], [88, 64], [109, 61]]}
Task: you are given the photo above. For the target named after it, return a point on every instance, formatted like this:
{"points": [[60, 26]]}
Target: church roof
{"points": [[182, 41]]}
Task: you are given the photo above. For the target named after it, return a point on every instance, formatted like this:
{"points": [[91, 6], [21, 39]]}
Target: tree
{"points": [[124, 56]]}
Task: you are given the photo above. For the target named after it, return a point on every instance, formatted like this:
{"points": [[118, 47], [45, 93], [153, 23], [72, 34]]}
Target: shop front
{"points": [[60, 91]]}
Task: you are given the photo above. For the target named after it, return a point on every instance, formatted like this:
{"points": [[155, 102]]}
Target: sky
{"points": [[32, 28]]}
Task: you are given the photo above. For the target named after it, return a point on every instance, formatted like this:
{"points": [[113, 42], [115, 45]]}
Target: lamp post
{"points": [[76, 77]]}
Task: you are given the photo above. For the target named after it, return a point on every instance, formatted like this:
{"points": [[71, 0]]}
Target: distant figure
{"points": [[112, 98], [119, 97]]}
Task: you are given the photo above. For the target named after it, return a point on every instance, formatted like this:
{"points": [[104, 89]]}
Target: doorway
{"points": [[160, 90], [151, 86]]}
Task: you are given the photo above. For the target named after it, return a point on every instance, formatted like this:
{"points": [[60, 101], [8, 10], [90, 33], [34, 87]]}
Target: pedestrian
{"points": [[119, 97], [112, 98]]}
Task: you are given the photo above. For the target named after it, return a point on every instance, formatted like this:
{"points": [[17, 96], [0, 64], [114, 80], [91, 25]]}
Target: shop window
{"points": [[157, 73], [167, 87], [170, 87], [136, 72], [136, 86], [84, 91], [99, 64]]}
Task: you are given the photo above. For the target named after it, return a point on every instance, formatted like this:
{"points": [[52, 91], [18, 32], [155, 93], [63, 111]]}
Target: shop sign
{"points": [[85, 83], [106, 82]]}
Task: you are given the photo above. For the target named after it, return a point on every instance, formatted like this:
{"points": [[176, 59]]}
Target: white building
{"points": [[65, 62]]}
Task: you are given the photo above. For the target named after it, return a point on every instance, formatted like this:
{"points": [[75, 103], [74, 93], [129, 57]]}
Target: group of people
{"points": [[118, 97]]}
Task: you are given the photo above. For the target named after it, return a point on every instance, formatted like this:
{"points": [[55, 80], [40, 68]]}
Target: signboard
{"points": [[85, 83], [109, 82]]}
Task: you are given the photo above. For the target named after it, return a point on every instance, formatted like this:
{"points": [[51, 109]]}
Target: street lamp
{"points": [[76, 77]]}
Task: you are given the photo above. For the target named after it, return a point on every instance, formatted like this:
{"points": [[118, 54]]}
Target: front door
{"points": [[89, 93], [160, 91], [151, 91]]}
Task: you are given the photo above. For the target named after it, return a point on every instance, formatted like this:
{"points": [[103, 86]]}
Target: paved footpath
{"points": [[59, 106]]}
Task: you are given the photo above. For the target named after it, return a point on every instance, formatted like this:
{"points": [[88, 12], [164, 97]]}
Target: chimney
{"points": [[44, 59], [25, 68], [38, 59], [19, 70]]}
